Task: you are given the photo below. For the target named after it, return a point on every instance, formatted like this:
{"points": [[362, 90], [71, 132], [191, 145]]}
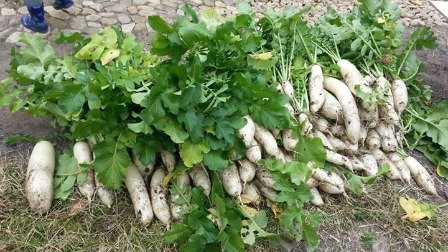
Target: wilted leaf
{"points": [[416, 211]]}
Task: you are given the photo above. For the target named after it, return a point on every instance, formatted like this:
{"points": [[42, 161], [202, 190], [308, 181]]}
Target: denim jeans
{"points": [[33, 3]]}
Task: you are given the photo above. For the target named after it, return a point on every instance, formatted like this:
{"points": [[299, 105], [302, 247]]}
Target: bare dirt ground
{"points": [[367, 223]]}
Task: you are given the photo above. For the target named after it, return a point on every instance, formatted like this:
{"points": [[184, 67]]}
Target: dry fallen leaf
{"points": [[276, 210], [249, 211], [416, 211]]}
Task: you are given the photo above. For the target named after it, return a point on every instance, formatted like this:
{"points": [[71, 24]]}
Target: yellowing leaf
{"points": [[416, 211], [276, 210], [248, 211], [108, 55], [262, 56]]}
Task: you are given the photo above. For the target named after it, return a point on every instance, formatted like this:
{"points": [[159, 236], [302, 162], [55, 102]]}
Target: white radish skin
{"points": [[267, 192], [324, 176], [381, 158], [288, 89], [231, 181], [387, 111], [317, 199], [387, 135], [159, 196], [330, 188], [357, 164], [265, 177], [290, 109], [83, 155], [289, 141], [253, 153], [338, 145], [251, 194], [247, 132], [199, 177], [349, 108], [337, 130], [168, 159], [400, 95], [353, 77], [331, 109], [369, 118], [279, 88], [316, 89], [370, 79], [401, 165], [247, 171], [145, 170], [352, 148], [312, 182], [338, 159], [369, 163], [373, 140], [322, 125], [421, 175], [325, 141], [267, 140], [307, 127], [139, 195], [363, 135], [39, 177], [183, 184], [104, 194]]}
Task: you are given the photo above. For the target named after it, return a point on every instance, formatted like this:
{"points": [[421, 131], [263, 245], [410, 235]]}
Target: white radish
{"points": [[145, 170], [370, 79], [247, 170], [373, 140], [352, 77], [357, 164], [182, 184], [279, 88], [312, 182], [330, 188], [316, 89], [39, 177], [369, 118], [400, 95], [349, 108], [251, 194], [317, 199], [338, 145], [253, 153], [382, 159], [168, 159], [338, 159], [288, 89], [386, 110], [290, 109], [337, 130], [401, 165], [387, 135], [199, 177], [267, 192], [331, 109], [83, 155], [322, 125], [139, 195], [363, 135], [267, 140], [421, 175], [103, 193], [369, 163], [289, 141], [307, 127], [231, 181], [247, 132], [331, 178], [325, 141], [159, 195], [265, 177]]}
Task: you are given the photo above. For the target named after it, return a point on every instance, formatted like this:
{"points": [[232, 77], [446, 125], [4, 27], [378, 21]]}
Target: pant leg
{"points": [[33, 3]]}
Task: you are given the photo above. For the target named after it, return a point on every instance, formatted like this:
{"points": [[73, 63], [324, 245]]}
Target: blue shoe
{"points": [[36, 20], [62, 4]]}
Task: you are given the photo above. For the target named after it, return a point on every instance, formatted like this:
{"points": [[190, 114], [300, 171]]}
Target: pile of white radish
{"points": [[356, 135]]}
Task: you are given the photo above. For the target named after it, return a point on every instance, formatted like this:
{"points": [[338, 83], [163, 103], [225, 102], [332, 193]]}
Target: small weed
{"points": [[367, 240]]}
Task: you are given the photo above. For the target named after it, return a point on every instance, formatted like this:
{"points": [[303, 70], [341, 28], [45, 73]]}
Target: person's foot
{"points": [[36, 20], [62, 4]]}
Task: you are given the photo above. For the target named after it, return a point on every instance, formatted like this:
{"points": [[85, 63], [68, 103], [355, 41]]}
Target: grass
{"points": [[351, 224]]}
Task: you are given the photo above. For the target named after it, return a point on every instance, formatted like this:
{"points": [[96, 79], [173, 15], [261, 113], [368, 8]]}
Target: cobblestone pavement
{"points": [[88, 16]]}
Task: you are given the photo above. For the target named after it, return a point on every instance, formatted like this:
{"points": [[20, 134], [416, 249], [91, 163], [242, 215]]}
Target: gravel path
{"points": [[89, 16]]}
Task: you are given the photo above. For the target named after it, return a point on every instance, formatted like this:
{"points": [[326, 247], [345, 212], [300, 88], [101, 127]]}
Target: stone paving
{"points": [[89, 16]]}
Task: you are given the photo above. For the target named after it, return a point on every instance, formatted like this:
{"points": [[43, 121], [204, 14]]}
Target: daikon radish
{"points": [[400, 95], [317, 199], [316, 89], [289, 141], [338, 145], [369, 163], [387, 111], [247, 132], [352, 77], [331, 109], [139, 195], [145, 170], [267, 140], [231, 181], [200, 177], [253, 153], [322, 125], [103, 193], [338, 159], [83, 155], [337, 130], [39, 177], [357, 164], [290, 109], [288, 89], [401, 165], [373, 140], [182, 185], [381, 159], [421, 175], [368, 118], [325, 141], [168, 159], [387, 135], [159, 199], [265, 177], [247, 170], [307, 127], [330, 188], [312, 182], [251, 195], [328, 177], [348, 105], [267, 192]]}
